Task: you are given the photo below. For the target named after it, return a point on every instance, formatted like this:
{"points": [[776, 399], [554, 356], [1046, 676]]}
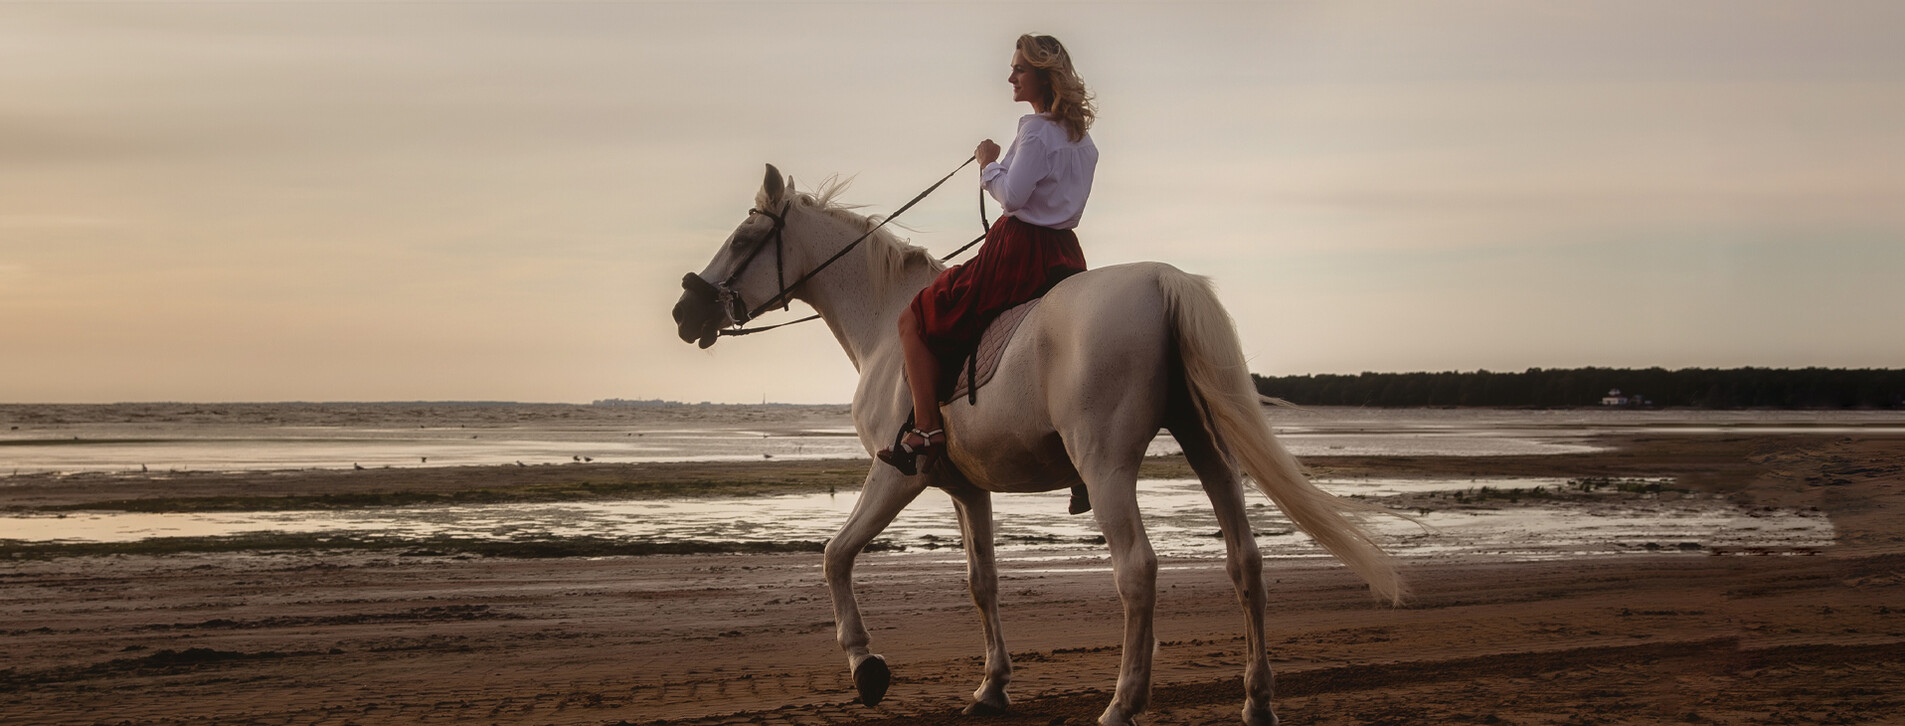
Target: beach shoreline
{"points": [[315, 636], [1715, 463]]}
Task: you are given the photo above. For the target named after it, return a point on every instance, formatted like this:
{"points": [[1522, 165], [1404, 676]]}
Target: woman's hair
{"points": [[1069, 103]]}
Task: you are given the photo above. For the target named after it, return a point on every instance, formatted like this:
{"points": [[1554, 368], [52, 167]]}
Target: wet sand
{"points": [[306, 637]]}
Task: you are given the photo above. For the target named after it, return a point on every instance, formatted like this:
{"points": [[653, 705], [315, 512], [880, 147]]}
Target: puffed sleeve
{"points": [[1012, 185]]}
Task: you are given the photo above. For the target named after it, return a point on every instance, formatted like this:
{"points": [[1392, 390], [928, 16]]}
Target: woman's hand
{"points": [[987, 152]]}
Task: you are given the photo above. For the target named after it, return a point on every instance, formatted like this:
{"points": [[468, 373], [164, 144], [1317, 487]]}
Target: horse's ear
{"points": [[772, 185]]}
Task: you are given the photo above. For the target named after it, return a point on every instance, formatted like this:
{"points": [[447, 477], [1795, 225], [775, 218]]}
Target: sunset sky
{"points": [[269, 201]]}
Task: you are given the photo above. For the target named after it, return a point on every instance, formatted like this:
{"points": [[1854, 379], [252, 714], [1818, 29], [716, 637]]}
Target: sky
{"points": [[284, 200]]}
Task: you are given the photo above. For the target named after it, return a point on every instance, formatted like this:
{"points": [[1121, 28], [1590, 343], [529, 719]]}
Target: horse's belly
{"points": [[1012, 466]]}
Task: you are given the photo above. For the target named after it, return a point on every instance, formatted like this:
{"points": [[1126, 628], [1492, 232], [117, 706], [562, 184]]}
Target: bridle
{"points": [[729, 298], [725, 293]]}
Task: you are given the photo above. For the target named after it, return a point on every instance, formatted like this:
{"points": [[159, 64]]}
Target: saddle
{"points": [[983, 362]]}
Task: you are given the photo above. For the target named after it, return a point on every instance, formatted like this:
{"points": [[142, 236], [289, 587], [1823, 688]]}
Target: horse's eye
{"points": [[744, 240], [750, 242]]}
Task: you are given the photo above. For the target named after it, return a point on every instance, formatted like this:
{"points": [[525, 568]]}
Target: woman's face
{"points": [[1028, 85]]}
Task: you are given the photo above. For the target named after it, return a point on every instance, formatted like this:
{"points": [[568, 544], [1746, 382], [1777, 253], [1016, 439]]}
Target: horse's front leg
{"points": [[882, 497], [982, 574]]}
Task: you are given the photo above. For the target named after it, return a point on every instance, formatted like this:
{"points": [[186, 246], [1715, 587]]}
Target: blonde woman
{"points": [[1042, 183]]}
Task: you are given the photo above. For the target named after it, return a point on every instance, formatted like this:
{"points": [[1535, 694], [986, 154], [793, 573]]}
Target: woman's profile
{"points": [[1041, 182]]}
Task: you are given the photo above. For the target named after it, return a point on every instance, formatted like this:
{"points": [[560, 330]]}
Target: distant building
{"points": [[1614, 397]]}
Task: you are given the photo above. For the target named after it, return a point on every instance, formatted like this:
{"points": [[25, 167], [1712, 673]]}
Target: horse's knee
{"points": [[1142, 562], [837, 560], [1145, 565], [1245, 562], [1138, 574]]}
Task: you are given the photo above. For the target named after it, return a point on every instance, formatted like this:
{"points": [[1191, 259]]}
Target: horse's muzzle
{"points": [[698, 313]]}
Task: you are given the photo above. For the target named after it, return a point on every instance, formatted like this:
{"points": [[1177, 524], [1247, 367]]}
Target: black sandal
{"points": [[906, 457]]}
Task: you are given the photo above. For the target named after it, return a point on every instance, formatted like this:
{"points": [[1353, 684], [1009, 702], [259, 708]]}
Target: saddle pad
{"points": [[991, 349]]}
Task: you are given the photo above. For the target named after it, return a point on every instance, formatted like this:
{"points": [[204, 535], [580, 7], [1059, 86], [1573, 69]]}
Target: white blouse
{"points": [[1045, 177]]}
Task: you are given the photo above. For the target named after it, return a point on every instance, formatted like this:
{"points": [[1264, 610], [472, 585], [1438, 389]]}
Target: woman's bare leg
{"points": [[922, 374]]}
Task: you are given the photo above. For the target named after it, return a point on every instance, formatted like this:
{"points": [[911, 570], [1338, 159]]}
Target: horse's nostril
{"points": [[693, 283], [697, 316]]}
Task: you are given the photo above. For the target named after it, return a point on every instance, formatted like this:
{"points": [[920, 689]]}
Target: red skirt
{"points": [[1019, 261]]}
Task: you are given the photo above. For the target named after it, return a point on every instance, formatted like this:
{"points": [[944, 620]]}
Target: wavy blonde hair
{"points": [[1067, 100]]}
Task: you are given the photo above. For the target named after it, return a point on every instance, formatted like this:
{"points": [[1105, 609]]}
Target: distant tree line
{"points": [[1541, 388]]}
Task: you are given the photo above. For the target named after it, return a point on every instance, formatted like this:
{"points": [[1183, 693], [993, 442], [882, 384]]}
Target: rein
{"points": [[741, 313]]}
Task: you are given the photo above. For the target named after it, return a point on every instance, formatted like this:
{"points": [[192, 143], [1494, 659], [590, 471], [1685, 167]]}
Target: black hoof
{"points": [[871, 678], [982, 709]]}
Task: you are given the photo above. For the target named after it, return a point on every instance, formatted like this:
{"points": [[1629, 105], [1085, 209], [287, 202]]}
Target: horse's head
{"points": [[746, 271]]}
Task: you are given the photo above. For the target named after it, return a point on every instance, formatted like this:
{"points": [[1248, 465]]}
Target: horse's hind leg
{"points": [[1218, 472], [982, 574], [1114, 497]]}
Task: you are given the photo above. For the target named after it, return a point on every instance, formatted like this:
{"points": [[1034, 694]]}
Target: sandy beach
{"points": [[419, 635]]}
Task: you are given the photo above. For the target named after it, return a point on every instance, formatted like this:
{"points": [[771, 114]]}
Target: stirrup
{"points": [[905, 457]]}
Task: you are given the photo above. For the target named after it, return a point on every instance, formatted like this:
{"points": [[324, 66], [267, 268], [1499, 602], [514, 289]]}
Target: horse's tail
{"points": [[1220, 385]]}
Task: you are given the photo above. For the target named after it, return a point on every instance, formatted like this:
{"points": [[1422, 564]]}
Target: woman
{"points": [[1042, 183]]}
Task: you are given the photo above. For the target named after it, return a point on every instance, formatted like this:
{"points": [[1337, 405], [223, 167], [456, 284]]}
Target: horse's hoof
{"points": [[1259, 717], [1114, 716], [981, 708], [872, 677]]}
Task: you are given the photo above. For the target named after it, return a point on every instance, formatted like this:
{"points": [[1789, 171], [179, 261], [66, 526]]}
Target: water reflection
{"points": [[1177, 516]]}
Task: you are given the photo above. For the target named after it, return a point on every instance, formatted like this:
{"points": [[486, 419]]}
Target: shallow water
{"points": [[1177, 518], [247, 437], [293, 436], [241, 450]]}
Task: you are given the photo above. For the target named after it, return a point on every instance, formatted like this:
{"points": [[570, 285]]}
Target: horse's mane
{"points": [[888, 256]]}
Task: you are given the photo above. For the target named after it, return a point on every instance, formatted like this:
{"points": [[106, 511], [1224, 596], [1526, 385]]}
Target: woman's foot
{"points": [[916, 451]]}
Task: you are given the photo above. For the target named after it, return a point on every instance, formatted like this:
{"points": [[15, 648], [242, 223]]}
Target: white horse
{"points": [[1107, 359]]}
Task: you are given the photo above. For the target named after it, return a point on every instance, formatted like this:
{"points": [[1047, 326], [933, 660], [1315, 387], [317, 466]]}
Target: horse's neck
{"points": [[862, 318]]}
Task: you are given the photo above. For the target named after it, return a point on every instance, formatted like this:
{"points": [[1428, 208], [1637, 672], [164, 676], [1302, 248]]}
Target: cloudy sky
{"points": [[263, 201]]}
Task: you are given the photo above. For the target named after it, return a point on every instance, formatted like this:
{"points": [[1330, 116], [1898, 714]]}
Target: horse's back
{"points": [[1106, 338], [1110, 299], [1089, 365]]}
